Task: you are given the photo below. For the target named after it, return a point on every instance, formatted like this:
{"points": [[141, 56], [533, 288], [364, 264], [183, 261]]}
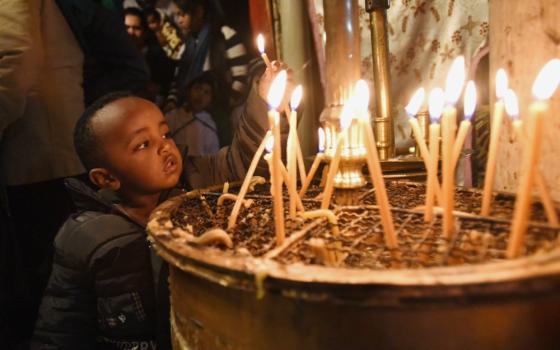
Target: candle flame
{"points": [[346, 116], [470, 100], [547, 81], [361, 95], [435, 104], [269, 143], [501, 83], [321, 140], [260, 43], [511, 104], [415, 103], [276, 92], [455, 80], [296, 97]]}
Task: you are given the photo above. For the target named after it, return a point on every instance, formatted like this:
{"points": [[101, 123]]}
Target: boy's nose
{"points": [[164, 146]]}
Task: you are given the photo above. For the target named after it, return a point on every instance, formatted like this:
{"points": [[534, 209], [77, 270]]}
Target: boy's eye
{"points": [[167, 135], [143, 145]]}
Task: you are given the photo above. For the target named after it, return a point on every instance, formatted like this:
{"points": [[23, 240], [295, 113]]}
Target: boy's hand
{"points": [[268, 77]]}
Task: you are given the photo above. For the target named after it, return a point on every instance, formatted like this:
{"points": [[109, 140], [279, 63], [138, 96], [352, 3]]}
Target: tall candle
{"points": [[411, 110], [245, 186], [435, 107], [316, 162], [292, 147], [469, 105], [544, 86], [260, 46], [501, 87], [275, 96], [374, 166], [512, 109], [453, 86]]}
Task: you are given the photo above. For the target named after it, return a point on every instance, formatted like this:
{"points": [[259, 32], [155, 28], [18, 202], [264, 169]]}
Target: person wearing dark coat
{"points": [[101, 292]]}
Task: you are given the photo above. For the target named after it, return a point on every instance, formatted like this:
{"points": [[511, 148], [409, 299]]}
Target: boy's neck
{"points": [[139, 208]]}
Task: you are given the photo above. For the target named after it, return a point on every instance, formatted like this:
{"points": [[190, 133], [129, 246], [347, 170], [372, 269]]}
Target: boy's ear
{"points": [[103, 179]]}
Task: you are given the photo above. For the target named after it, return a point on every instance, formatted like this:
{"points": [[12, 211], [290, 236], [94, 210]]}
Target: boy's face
{"points": [[200, 96], [137, 147]]}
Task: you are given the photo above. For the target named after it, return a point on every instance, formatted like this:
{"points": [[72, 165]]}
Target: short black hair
{"points": [[135, 11], [152, 11], [86, 142]]}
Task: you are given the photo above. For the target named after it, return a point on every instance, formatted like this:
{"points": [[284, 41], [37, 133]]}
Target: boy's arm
{"points": [[231, 163]]}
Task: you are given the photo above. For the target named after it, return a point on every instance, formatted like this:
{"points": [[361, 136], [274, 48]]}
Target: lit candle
{"points": [[544, 86], [374, 166], [245, 186], [453, 86], [260, 46], [512, 109], [275, 95], [345, 122], [316, 162], [495, 126], [411, 110], [435, 107], [292, 146], [469, 105]]}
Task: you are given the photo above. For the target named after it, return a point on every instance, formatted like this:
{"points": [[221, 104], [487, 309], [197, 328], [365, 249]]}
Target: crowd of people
{"points": [[107, 107]]}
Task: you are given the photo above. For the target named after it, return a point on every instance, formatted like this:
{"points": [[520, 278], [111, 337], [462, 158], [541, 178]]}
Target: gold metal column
{"points": [[383, 118]]}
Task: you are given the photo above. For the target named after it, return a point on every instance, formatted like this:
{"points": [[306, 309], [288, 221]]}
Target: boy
{"points": [[101, 291]]}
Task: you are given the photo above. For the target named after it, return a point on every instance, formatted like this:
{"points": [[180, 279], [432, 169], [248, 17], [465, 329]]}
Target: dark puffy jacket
{"points": [[100, 294]]}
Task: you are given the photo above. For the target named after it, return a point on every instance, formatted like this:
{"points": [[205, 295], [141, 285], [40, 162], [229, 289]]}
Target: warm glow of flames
{"points": [[469, 103], [415, 103], [260, 43], [547, 81], [511, 104], [361, 96], [346, 115], [276, 92], [501, 83], [455, 80], [435, 104], [269, 143], [296, 97], [321, 140]]}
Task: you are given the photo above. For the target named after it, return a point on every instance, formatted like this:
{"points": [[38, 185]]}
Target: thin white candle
{"points": [[454, 83], [260, 46], [512, 109], [345, 122], [275, 96], [435, 108], [316, 162], [545, 85], [245, 186], [374, 166], [469, 106], [495, 126], [292, 146]]}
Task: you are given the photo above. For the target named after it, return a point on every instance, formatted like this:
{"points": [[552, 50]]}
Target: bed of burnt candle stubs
{"points": [[360, 242], [410, 195], [254, 233]]}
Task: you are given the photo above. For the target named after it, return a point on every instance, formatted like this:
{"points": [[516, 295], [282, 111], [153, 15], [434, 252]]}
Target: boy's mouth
{"points": [[170, 164]]}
